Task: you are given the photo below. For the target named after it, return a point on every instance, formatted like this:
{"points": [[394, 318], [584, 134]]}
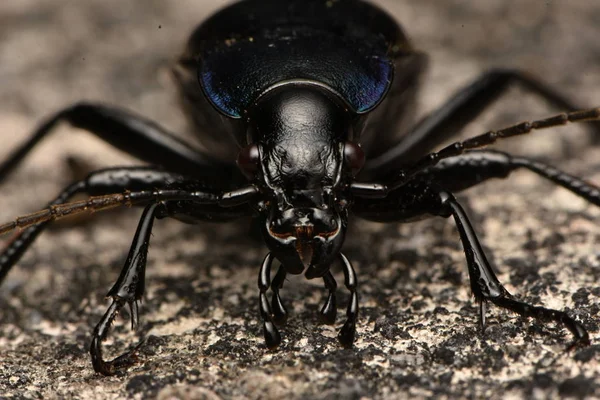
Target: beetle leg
{"points": [[280, 314], [272, 336], [131, 133], [329, 310], [348, 331], [462, 172], [465, 106], [128, 289], [469, 169], [486, 286], [97, 183], [403, 177], [575, 185], [123, 361], [418, 199]]}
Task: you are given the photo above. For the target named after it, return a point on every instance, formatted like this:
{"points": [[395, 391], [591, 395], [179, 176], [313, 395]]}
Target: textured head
{"points": [[299, 132]]}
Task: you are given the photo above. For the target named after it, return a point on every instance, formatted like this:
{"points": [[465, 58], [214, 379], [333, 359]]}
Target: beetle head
{"points": [[299, 134]]}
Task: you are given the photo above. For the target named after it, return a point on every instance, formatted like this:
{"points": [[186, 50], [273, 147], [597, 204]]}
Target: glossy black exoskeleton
{"points": [[312, 98]]}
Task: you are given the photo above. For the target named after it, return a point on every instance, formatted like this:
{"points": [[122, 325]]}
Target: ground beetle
{"points": [[310, 97]]}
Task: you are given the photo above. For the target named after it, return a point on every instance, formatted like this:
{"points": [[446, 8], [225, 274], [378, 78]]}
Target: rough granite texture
{"points": [[417, 335]]}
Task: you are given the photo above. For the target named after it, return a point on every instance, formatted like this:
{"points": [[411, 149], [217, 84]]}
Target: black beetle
{"points": [[309, 97]]}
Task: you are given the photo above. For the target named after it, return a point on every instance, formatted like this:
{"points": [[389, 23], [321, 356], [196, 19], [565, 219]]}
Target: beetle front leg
{"points": [[97, 183], [418, 199], [486, 286], [131, 133], [128, 289]]}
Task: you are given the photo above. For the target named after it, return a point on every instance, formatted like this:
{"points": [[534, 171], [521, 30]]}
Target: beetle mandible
{"points": [[302, 106]]}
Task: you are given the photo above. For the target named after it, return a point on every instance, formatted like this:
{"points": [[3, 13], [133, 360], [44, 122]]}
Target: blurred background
{"points": [[54, 53]]}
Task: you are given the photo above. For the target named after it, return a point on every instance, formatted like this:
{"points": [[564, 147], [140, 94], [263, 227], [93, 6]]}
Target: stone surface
{"points": [[417, 334]]}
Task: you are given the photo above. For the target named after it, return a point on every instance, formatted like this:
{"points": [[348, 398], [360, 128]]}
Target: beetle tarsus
{"points": [[486, 286], [129, 289], [542, 314], [123, 361]]}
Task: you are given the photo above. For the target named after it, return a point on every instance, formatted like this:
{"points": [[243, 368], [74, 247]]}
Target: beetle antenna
{"points": [[100, 203], [485, 139]]}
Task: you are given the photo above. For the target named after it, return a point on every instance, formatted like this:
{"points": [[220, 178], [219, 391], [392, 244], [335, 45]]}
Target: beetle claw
{"points": [[126, 359]]}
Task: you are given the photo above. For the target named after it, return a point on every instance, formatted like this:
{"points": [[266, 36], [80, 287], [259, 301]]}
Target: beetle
{"points": [[302, 107]]}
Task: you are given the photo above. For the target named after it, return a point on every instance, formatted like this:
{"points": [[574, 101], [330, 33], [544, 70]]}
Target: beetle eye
{"points": [[354, 156], [248, 160]]}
